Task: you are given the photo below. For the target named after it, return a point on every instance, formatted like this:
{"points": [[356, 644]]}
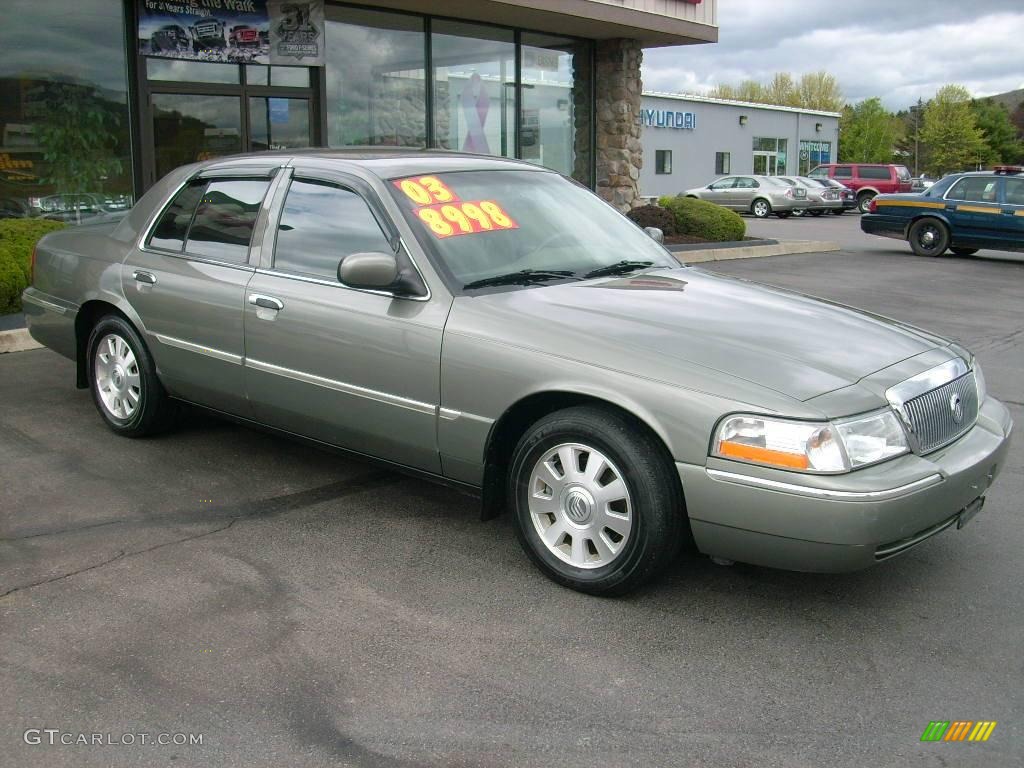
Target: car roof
{"points": [[385, 162]]}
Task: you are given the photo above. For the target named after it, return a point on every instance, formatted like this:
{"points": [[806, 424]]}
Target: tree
{"points": [[814, 90], [954, 139], [868, 133], [1000, 133]]}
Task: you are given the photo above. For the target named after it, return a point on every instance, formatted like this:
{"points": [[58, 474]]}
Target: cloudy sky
{"points": [[898, 50]]}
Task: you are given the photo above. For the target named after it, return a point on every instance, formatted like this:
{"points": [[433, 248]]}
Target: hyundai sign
{"points": [[666, 118]]}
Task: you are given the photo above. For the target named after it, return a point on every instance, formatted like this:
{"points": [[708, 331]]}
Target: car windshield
{"points": [[520, 227]]}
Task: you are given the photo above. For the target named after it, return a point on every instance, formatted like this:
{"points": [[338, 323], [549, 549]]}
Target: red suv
{"points": [[866, 179]]}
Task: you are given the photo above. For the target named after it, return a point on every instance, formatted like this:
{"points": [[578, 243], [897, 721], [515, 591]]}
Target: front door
{"points": [[1012, 218], [352, 368], [972, 207], [765, 163]]}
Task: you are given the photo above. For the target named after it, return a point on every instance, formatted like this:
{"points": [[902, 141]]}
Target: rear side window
{"points": [[874, 172], [225, 218], [172, 229], [976, 189], [320, 225], [843, 172]]}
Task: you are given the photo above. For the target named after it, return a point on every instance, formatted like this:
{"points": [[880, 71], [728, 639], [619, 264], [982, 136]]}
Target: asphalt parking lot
{"points": [[298, 608]]}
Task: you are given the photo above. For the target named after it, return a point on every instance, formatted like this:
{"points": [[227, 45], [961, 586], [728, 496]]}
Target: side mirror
{"points": [[368, 270], [655, 234]]}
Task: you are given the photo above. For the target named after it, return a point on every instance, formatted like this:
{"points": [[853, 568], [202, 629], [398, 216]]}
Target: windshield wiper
{"points": [[522, 277], [618, 268]]}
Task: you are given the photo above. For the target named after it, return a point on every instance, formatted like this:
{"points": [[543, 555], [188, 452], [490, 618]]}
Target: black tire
{"points": [[815, 213], [657, 514], [863, 200], [761, 208], [838, 211], [784, 214], [928, 237], [153, 410], [963, 251]]}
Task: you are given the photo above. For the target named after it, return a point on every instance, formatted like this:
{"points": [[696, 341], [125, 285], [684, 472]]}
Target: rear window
{"points": [[874, 172]]}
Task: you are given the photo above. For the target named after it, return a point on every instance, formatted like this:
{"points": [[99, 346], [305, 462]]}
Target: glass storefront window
{"points": [[278, 123], [555, 123], [65, 150], [290, 77], [474, 88], [171, 70], [813, 154], [188, 128], [376, 83]]}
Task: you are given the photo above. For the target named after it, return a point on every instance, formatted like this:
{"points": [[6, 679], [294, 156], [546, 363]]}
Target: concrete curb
{"points": [[17, 341], [782, 248]]}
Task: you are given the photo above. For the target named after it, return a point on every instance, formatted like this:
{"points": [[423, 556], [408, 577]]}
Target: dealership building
{"points": [[690, 140], [103, 97]]}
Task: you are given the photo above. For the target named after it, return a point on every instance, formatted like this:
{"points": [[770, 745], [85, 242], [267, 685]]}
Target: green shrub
{"points": [[700, 218], [17, 239], [654, 216]]}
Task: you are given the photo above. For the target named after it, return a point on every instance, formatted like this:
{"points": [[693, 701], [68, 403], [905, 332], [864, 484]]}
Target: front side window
{"points": [[225, 218], [172, 229], [724, 184], [320, 225], [843, 172], [723, 162], [663, 161], [977, 189], [485, 225], [819, 173]]}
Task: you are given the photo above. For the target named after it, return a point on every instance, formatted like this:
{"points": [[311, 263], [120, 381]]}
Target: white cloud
{"points": [[897, 51]]}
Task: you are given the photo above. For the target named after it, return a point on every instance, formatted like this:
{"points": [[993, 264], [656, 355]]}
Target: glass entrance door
{"points": [[766, 163], [188, 128], [278, 123]]}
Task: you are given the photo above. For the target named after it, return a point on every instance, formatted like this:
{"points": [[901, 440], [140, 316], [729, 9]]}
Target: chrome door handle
{"points": [[144, 277], [266, 302]]}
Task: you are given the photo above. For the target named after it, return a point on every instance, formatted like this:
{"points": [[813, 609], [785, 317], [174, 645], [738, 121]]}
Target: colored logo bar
{"points": [[958, 730]]}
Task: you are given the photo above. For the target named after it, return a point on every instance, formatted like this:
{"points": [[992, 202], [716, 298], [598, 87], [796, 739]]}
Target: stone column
{"points": [[617, 106]]}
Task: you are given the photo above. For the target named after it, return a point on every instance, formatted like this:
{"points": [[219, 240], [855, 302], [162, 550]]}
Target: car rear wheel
{"points": [[838, 212], [815, 213], [963, 251], [929, 237], [597, 507], [123, 380], [863, 201], [761, 208]]}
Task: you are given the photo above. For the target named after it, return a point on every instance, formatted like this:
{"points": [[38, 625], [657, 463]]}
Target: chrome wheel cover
{"points": [[760, 208], [117, 378], [580, 506]]}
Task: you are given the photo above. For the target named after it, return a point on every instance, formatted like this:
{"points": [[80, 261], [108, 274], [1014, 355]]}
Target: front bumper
{"points": [[842, 522]]}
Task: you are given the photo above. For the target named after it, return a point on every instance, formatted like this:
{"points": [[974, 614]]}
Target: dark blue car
{"points": [[963, 213]]}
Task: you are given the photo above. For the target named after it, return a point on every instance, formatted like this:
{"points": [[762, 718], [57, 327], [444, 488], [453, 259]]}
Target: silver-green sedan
{"points": [[496, 326]]}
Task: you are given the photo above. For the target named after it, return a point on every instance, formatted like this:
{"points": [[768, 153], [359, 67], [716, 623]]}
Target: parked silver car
{"points": [[821, 197], [760, 195], [492, 325]]}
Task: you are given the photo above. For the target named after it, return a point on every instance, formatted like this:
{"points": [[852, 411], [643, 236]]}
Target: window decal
{"points": [[465, 218], [426, 190]]}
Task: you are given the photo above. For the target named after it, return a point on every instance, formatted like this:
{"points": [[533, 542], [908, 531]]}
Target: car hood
{"points": [[663, 322]]}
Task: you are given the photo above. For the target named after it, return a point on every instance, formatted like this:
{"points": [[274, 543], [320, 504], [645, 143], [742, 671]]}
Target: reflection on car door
{"points": [[187, 284], [718, 191], [973, 209], [352, 368]]}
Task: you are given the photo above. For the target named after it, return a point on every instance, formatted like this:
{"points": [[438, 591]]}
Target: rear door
{"points": [[742, 195], [1011, 221], [354, 368], [187, 283], [974, 211]]}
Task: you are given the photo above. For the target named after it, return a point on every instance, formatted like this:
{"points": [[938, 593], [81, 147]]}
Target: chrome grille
{"points": [[931, 416]]}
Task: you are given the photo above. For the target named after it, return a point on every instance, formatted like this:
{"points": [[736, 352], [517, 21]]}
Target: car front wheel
{"points": [[123, 380], [929, 237], [597, 505], [761, 208]]}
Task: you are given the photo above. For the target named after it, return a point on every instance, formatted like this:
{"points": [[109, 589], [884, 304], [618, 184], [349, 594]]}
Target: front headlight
{"points": [[826, 447]]}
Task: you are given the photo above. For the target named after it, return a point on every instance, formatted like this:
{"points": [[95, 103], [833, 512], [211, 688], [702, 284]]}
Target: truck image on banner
{"points": [[233, 31]]}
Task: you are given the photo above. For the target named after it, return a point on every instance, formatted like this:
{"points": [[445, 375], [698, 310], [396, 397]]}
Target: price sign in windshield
{"points": [[426, 190], [467, 218]]}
